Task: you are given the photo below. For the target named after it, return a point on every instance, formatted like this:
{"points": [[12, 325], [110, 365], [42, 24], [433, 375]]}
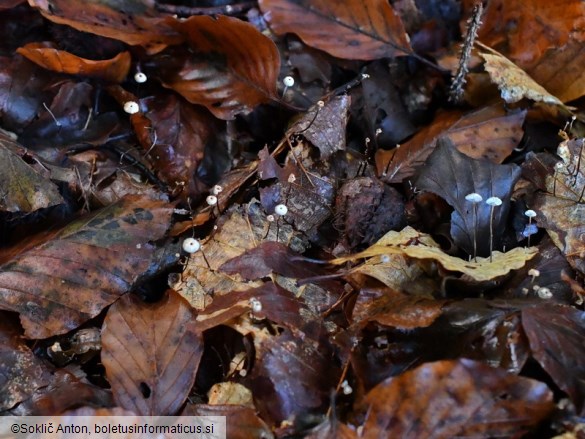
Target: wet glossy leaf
{"points": [[151, 353], [353, 29], [134, 22], [456, 398], [453, 175], [563, 328], [23, 188], [67, 278], [60, 61], [233, 68]]}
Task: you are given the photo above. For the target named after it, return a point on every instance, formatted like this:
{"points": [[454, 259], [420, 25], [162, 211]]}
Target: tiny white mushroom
{"points": [[131, 107], [270, 218], [530, 214], [493, 202], [473, 198], [191, 245], [288, 81], [346, 388], [281, 210], [255, 305], [216, 189], [140, 77], [211, 200]]}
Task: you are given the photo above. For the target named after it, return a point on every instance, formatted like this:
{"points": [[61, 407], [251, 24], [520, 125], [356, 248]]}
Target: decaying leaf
{"points": [[354, 29], [50, 58], [562, 208], [23, 188], [151, 353], [325, 127], [559, 71], [69, 277], [174, 134], [242, 422], [453, 175], [232, 68], [490, 133], [21, 373], [514, 83], [456, 398], [418, 245], [562, 327], [134, 22], [514, 23], [240, 229]]}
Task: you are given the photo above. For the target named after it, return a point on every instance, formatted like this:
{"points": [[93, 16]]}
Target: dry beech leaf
{"points": [[562, 327], [241, 228], [490, 133], [560, 71], [242, 422], [352, 29], [21, 372], [461, 398], [514, 23], [63, 280], [561, 210], [453, 175], [232, 69], [23, 188], [151, 353], [50, 58], [514, 83], [391, 308], [419, 245], [325, 127], [135, 23]]}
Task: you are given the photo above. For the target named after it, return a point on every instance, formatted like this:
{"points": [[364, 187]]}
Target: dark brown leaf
{"points": [[489, 133], [293, 376], [242, 422], [60, 61], [354, 29], [23, 188], [133, 22], [325, 127], [456, 398], [21, 373], [232, 70], [174, 133], [556, 335], [453, 175], [270, 257], [151, 353], [67, 278]]}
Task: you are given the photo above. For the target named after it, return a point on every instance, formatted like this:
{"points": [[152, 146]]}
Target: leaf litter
{"points": [[364, 258]]}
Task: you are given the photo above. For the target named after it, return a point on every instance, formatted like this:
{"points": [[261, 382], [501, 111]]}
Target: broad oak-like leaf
{"points": [[231, 67], [151, 353], [351, 29], [453, 175], [50, 58], [63, 280]]}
